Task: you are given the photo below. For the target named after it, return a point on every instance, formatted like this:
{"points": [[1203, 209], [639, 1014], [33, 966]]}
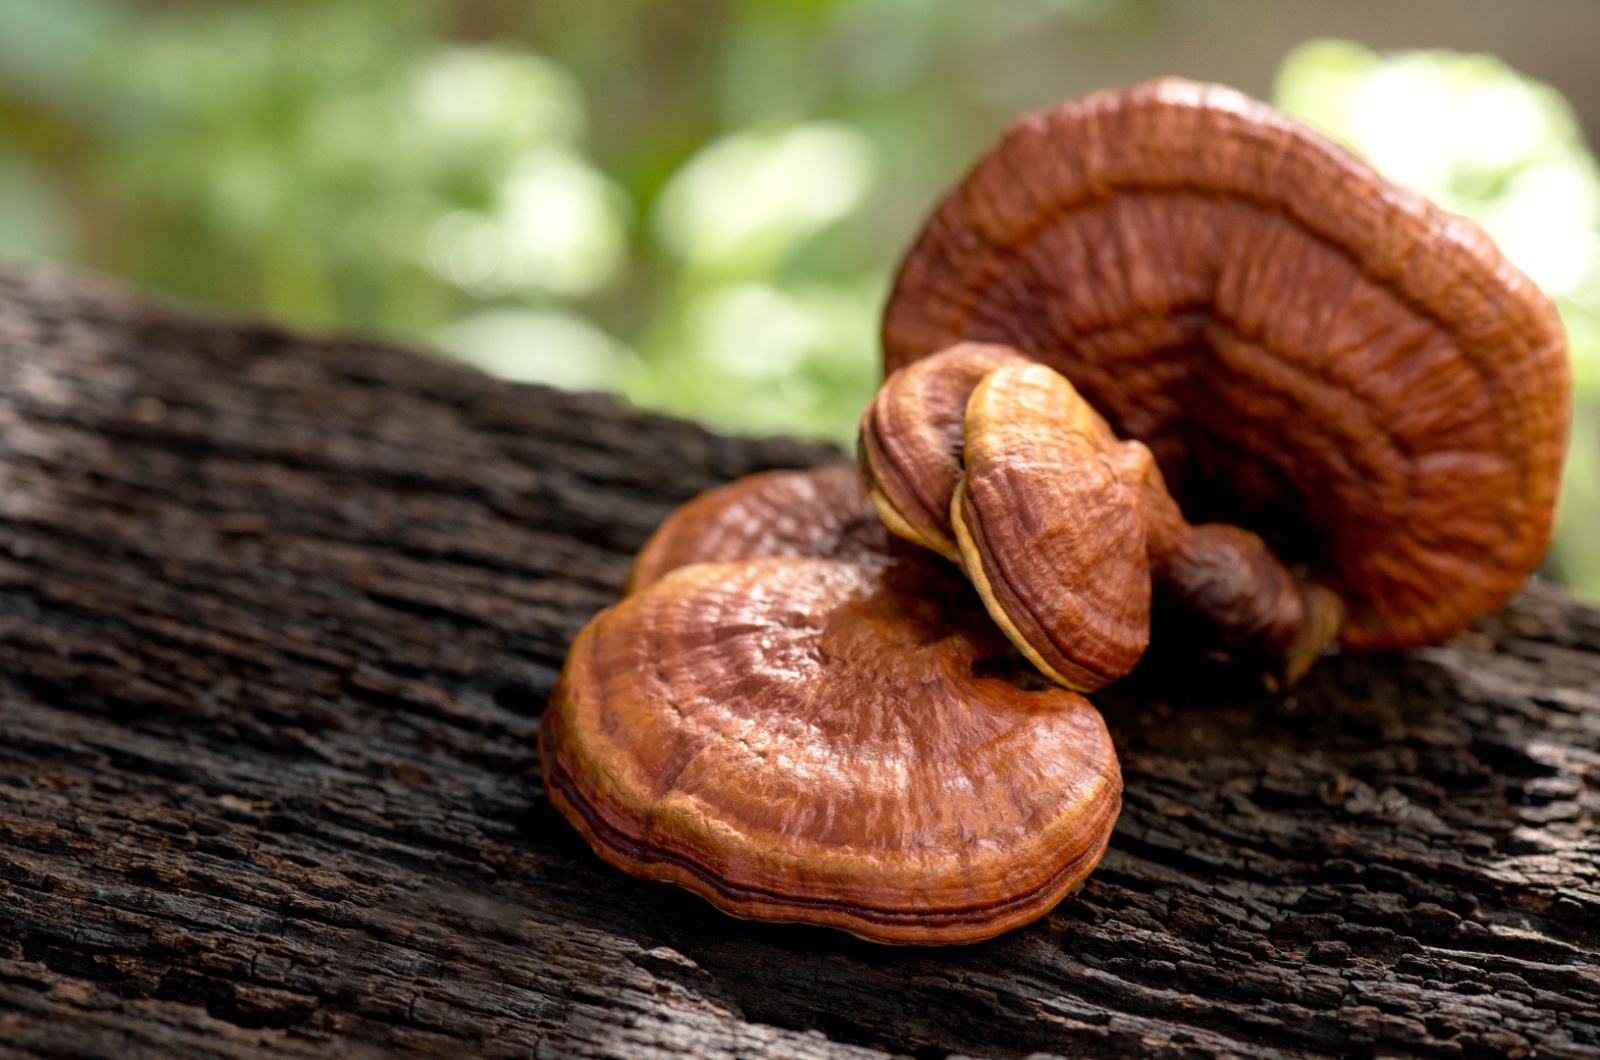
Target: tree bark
{"points": [[277, 620]]}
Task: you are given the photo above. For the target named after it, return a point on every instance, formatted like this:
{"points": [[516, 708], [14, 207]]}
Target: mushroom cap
{"points": [[1310, 351], [822, 741], [911, 441], [1052, 537], [821, 513]]}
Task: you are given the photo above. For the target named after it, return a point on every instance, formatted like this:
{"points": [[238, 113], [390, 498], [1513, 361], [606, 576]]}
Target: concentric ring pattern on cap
{"points": [[1308, 349], [812, 740]]}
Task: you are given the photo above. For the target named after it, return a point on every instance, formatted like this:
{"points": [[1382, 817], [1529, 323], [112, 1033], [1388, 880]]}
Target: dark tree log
{"points": [[277, 620]]}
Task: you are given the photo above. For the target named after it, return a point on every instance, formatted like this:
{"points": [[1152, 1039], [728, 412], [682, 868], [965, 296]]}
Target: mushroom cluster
{"points": [[854, 696]]}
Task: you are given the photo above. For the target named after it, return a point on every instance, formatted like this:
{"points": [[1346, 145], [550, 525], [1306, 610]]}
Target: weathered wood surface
{"points": [[277, 620]]}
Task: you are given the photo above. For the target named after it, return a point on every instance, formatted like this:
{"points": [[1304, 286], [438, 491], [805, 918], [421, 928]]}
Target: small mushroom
{"points": [[830, 743], [1309, 351], [911, 438], [1050, 532]]}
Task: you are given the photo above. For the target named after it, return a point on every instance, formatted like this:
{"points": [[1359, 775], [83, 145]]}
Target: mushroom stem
{"points": [[1223, 583]]}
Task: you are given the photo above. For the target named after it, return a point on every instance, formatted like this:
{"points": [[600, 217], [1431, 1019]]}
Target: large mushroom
{"points": [[847, 742], [1309, 351]]}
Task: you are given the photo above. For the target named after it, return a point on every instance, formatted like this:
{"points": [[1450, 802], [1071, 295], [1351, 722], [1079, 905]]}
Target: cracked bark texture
{"points": [[277, 620]]}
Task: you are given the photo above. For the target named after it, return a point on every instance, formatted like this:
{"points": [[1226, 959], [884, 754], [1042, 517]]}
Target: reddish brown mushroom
{"points": [[1051, 528], [847, 742], [911, 440], [819, 741], [1308, 350]]}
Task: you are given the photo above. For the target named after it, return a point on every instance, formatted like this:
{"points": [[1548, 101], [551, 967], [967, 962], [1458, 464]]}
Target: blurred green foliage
{"points": [[696, 205]]}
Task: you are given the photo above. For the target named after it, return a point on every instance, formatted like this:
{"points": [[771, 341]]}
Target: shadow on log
{"points": [[277, 620]]}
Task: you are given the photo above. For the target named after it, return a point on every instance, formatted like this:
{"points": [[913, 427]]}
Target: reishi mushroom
{"points": [[1051, 529], [832, 741], [911, 438], [1310, 351]]}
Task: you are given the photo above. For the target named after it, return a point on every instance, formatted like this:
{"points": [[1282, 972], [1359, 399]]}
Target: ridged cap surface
{"points": [[1309, 350], [814, 741]]}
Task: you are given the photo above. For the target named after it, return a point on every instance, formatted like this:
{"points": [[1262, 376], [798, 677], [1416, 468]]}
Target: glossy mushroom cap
{"points": [[1051, 535], [1309, 351], [823, 742], [820, 513], [910, 445]]}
